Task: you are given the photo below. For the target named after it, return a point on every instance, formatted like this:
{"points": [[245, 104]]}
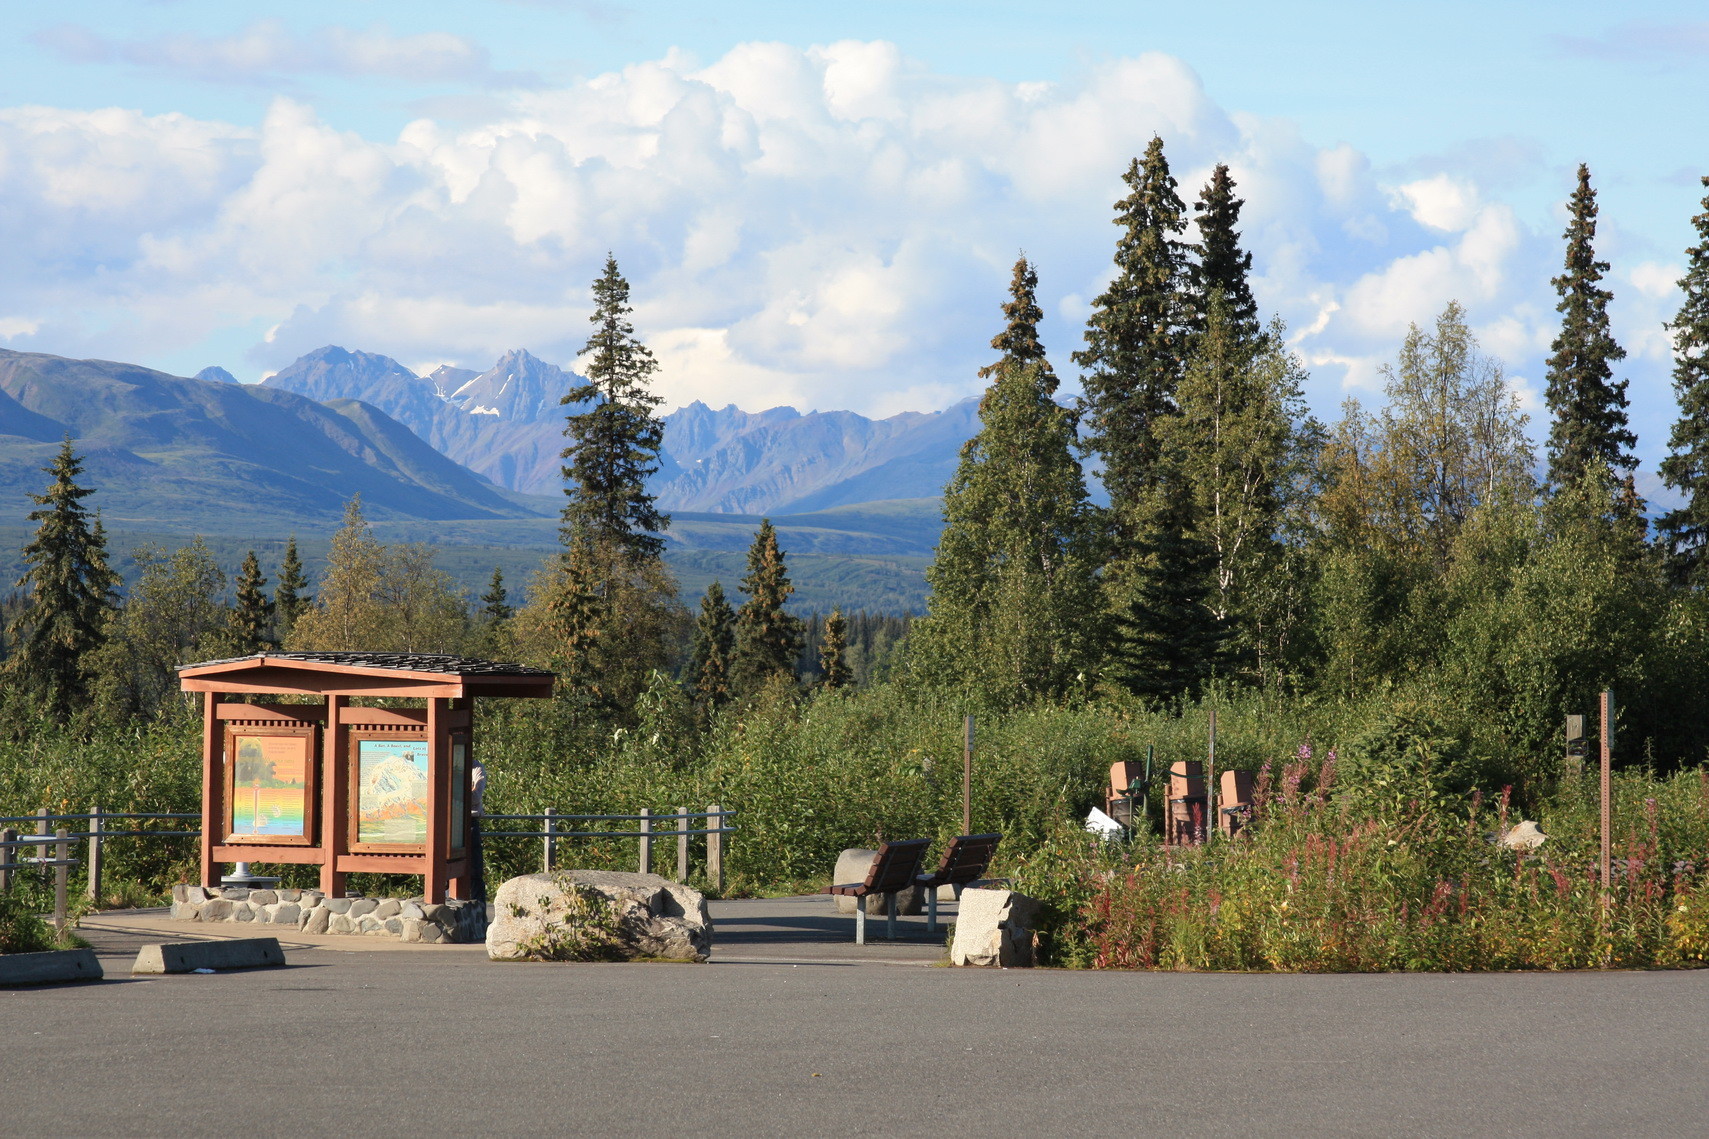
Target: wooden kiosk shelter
{"points": [[346, 788]]}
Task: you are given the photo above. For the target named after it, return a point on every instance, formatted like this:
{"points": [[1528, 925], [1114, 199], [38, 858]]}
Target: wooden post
{"points": [[715, 846], [682, 844], [549, 845], [438, 798], [646, 859], [334, 796], [213, 787], [967, 776], [42, 831], [94, 863], [8, 858], [61, 878], [1210, 780], [1604, 860]]}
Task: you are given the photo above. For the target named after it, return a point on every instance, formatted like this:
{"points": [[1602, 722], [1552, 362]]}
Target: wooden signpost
{"points": [[345, 787]]}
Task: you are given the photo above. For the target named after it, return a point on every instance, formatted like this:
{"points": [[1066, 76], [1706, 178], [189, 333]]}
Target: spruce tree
{"points": [[767, 638], [1169, 641], [709, 652], [290, 596], [1222, 266], [347, 615], [615, 442], [1136, 339], [1019, 342], [495, 602], [1685, 531], [832, 651], [251, 616], [69, 591], [1013, 611], [1587, 405]]}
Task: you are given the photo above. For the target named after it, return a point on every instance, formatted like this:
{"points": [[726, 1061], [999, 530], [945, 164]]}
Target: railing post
{"points": [[715, 846], [95, 829], [61, 878], [549, 844], [682, 844], [38, 851], [646, 828], [8, 859]]}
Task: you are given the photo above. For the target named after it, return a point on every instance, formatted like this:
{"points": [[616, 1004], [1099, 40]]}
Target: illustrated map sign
{"points": [[270, 788], [391, 792]]}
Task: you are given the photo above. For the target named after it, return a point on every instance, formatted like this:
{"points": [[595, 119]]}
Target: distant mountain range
{"points": [[507, 423]]}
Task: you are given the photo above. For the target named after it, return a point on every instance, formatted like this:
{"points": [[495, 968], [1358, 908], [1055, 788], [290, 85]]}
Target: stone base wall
{"points": [[310, 911]]}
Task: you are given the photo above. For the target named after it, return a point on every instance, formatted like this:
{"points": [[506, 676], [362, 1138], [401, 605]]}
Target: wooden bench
{"points": [[964, 861], [894, 868]]}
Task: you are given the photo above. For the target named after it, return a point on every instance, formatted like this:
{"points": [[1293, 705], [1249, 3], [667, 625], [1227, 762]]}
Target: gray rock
{"points": [[243, 911], [994, 927], [412, 910], [852, 867], [217, 909], [546, 917], [178, 892], [341, 923], [286, 913], [186, 911], [388, 908], [1526, 836], [235, 893], [431, 934], [264, 897], [434, 911], [195, 894], [360, 906], [338, 905], [368, 923], [410, 929], [394, 926], [316, 920], [312, 898], [290, 895]]}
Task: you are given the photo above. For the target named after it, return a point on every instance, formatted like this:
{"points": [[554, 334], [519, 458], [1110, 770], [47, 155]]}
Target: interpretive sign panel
{"points": [[390, 793], [269, 785]]}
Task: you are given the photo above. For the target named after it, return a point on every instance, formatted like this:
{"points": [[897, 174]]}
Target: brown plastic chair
{"points": [[1116, 803], [1184, 822], [1234, 801]]}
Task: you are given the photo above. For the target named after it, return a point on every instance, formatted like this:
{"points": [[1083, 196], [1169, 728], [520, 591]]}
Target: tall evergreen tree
{"points": [[832, 651], [1019, 342], [1222, 266], [251, 616], [290, 597], [1013, 611], [495, 602], [615, 442], [1686, 469], [767, 638], [1169, 641], [69, 590], [1587, 404], [1136, 339], [709, 653]]}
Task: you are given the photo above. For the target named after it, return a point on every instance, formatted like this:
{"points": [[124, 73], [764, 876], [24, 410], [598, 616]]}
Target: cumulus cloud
{"points": [[823, 227], [266, 50]]}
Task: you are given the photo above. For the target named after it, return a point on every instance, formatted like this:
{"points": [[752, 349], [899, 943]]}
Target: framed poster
{"points": [[390, 791], [270, 785], [457, 835]]}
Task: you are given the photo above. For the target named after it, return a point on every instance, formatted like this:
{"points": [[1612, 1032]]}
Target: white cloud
{"points": [[824, 227]]}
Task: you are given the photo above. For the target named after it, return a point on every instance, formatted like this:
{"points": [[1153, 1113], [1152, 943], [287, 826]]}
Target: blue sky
{"points": [[818, 204]]}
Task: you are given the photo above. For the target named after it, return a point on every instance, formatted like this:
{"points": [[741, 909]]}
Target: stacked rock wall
{"points": [[310, 911]]}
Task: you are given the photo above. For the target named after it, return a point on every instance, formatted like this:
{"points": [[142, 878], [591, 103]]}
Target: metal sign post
{"points": [[1605, 862], [1210, 781]]}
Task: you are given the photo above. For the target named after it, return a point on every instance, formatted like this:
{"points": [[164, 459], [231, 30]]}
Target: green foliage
{"points": [[615, 442], [1136, 339], [767, 639], [68, 587], [290, 598], [21, 930], [1685, 531], [252, 614], [583, 928], [171, 617], [832, 663], [709, 652], [1587, 405], [1221, 265]]}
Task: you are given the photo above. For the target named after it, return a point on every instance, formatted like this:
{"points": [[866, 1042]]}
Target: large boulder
{"points": [[598, 915], [994, 927], [1526, 836], [852, 866]]}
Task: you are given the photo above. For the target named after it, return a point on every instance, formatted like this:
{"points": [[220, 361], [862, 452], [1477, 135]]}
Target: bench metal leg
{"points": [[860, 921], [890, 915], [931, 909]]}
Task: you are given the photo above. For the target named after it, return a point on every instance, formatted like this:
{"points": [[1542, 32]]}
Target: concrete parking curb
{"points": [[188, 956], [49, 968]]}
